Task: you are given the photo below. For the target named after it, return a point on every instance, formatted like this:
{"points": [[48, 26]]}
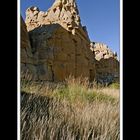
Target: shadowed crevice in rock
{"points": [[27, 60]]}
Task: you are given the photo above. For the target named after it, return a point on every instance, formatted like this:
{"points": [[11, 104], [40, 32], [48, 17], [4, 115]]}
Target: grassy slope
{"points": [[70, 111]]}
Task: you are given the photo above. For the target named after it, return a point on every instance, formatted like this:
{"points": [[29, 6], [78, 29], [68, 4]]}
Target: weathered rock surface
{"points": [[102, 51], [63, 12], [60, 45], [107, 65], [27, 61]]}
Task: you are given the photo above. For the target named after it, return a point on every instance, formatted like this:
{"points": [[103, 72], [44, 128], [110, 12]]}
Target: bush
{"points": [[115, 85]]}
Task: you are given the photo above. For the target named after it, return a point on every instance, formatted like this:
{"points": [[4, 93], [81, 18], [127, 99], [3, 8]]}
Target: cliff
{"points": [[27, 60], [60, 45], [55, 45]]}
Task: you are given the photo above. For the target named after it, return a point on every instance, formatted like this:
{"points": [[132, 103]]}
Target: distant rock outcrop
{"points": [[107, 65], [102, 51]]}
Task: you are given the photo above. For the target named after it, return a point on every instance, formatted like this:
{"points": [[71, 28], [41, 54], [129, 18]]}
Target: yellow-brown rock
{"points": [[60, 45], [27, 61], [107, 65]]}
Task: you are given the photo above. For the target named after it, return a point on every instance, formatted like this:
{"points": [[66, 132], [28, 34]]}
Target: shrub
{"points": [[115, 85]]}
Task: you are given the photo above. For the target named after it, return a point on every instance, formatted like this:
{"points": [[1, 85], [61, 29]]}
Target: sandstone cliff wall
{"points": [[55, 45], [27, 60], [60, 45]]}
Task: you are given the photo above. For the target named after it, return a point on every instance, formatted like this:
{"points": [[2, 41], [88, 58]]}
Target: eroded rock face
{"points": [[63, 12], [102, 51], [107, 70], [60, 45], [107, 65], [27, 60]]}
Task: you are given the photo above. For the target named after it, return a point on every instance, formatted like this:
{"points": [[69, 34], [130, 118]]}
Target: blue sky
{"points": [[101, 17]]}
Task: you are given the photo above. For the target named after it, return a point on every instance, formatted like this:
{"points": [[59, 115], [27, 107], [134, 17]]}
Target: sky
{"points": [[101, 17]]}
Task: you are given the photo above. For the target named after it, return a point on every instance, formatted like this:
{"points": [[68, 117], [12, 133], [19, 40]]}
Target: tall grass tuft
{"points": [[72, 110]]}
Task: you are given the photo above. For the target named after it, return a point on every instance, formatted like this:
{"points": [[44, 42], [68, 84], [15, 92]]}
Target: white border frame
{"points": [[18, 69], [121, 70]]}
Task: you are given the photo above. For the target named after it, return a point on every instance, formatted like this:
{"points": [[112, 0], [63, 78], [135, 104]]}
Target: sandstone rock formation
{"points": [[102, 51], [27, 61], [60, 45], [107, 65], [64, 12]]}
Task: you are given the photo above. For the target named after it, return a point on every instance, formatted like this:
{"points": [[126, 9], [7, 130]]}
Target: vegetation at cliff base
{"points": [[72, 110]]}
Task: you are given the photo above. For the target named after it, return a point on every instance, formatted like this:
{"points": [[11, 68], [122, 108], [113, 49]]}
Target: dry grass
{"points": [[110, 92], [72, 110]]}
